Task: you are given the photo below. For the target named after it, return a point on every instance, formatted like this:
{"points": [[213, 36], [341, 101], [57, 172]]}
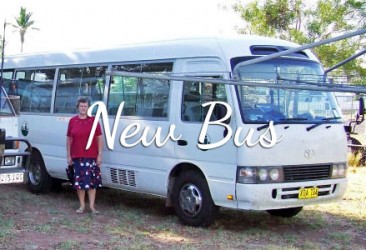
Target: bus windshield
{"points": [[5, 108], [265, 104]]}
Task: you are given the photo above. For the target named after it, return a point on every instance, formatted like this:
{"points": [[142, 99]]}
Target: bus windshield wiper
{"points": [[320, 123], [282, 120], [331, 118], [265, 126], [294, 119]]}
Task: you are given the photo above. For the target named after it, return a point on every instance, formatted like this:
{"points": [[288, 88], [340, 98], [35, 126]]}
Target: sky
{"points": [[76, 24]]}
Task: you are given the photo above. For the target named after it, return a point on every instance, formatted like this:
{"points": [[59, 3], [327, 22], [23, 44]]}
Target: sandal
{"points": [[80, 210], [94, 211]]}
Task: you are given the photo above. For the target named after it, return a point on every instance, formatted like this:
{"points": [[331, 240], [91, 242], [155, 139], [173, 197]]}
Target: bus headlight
{"points": [[247, 175], [274, 174], [263, 174], [9, 160], [339, 170], [253, 175]]}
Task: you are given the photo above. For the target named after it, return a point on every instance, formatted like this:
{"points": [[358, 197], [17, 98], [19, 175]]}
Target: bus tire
{"points": [[358, 151], [39, 181], [285, 212], [192, 200]]}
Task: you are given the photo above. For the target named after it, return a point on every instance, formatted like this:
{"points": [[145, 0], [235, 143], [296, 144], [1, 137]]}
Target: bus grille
{"points": [[123, 177], [293, 192], [306, 173]]}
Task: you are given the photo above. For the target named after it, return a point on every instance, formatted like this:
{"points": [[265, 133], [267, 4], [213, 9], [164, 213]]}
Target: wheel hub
{"points": [[35, 174], [190, 200]]}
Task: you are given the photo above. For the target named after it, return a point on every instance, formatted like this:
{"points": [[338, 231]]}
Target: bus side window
{"points": [[9, 84], [152, 98], [122, 89], [141, 97], [35, 90], [146, 98], [78, 82], [192, 106], [197, 93], [36, 98]]}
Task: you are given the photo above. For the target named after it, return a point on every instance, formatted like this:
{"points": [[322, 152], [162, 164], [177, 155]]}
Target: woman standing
{"points": [[86, 162]]}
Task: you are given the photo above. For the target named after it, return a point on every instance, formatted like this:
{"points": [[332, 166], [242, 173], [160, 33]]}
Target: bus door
{"points": [[219, 163]]}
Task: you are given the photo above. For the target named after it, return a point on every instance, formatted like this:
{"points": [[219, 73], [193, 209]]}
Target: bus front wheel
{"points": [[39, 179], [192, 200], [285, 212]]}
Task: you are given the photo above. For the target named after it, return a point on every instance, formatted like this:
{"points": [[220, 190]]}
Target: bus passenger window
{"points": [[197, 93], [78, 82], [145, 98], [141, 97], [35, 89]]}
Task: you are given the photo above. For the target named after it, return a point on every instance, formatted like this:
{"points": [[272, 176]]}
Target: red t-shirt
{"points": [[79, 130]]}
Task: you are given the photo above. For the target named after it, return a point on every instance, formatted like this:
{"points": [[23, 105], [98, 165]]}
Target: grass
{"points": [[132, 221]]}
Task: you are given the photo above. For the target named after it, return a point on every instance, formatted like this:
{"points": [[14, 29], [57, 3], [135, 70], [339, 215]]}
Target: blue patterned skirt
{"points": [[87, 174]]}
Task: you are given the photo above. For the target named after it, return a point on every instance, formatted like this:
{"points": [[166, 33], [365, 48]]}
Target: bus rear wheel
{"points": [[192, 200], [39, 180], [285, 212], [358, 152]]}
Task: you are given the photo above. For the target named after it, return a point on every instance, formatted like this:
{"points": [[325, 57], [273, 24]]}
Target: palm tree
{"points": [[23, 23]]}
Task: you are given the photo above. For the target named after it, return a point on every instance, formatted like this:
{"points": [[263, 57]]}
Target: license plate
{"points": [[11, 178], [308, 193]]}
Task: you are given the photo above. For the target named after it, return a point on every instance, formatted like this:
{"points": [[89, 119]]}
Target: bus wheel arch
{"points": [[39, 181], [174, 173], [191, 197]]}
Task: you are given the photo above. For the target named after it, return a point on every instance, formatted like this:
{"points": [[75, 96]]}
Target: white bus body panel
{"points": [[139, 168], [323, 144], [145, 166]]}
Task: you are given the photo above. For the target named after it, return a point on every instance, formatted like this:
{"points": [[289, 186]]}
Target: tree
{"points": [[23, 23], [274, 18], [297, 21]]}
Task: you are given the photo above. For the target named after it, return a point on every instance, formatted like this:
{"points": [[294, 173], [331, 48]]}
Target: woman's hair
{"points": [[82, 100]]}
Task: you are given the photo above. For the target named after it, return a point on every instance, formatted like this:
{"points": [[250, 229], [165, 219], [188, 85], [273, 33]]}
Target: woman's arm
{"points": [[68, 149], [100, 149]]}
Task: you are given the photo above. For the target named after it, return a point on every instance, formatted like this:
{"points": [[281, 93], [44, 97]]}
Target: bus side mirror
{"points": [[348, 129], [361, 111]]}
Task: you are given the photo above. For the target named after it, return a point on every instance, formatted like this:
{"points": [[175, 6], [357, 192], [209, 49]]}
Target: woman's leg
{"points": [[91, 195], [95, 182], [81, 196], [79, 183]]}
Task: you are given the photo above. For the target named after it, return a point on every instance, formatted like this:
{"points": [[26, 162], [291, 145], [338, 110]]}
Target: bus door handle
{"points": [[182, 143]]}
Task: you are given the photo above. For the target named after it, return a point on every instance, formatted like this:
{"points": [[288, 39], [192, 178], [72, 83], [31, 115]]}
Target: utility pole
{"points": [[2, 55], [2, 64]]}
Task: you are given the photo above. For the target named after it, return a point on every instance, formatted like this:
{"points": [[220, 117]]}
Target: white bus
{"points": [[307, 165]]}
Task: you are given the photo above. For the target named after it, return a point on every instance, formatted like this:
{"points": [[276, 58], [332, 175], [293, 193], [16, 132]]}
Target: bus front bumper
{"points": [[286, 195]]}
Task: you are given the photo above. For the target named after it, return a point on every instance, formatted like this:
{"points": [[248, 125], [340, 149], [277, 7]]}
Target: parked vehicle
{"points": [[15, 152], [278, 150]]}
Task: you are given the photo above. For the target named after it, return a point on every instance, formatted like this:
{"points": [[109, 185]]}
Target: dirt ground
{"points": [[132, 221]]}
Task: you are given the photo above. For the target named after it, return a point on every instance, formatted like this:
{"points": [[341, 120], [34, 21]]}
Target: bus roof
{"points": [[225, 48]]}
